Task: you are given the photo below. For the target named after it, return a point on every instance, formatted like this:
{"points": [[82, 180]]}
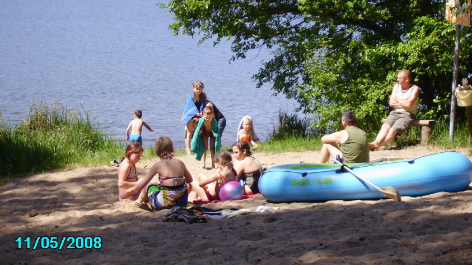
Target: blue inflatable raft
{"points": [[447, 171]]}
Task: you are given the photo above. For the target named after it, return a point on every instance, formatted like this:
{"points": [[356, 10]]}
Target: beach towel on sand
{"points": [[201, 214], [181, 214], [190, 109], [228, 213], [255, 138], [197, 145]]}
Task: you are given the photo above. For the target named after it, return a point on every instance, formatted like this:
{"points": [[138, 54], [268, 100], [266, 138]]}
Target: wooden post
{"points": [[426, 129], [468, 112], [426, 133]]}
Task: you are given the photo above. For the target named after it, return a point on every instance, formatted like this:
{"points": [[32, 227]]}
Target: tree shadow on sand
{"points": [[433, 229]]}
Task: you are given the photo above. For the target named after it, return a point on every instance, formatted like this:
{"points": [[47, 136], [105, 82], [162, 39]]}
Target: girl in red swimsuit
{"points": [[208, 187], [208, 136]]}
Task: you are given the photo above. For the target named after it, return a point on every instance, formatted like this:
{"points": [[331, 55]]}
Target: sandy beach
{"points": [[80, 204]]}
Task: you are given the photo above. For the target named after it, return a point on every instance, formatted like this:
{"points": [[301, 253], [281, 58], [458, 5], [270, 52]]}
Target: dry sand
{"points": [[82, 202]]}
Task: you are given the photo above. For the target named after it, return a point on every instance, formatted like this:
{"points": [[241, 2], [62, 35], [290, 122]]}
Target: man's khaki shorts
{"points": [[400, 121]]}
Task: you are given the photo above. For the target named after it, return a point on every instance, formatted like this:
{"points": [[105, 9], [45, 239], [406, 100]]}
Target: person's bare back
{"points": [[136, 125]]}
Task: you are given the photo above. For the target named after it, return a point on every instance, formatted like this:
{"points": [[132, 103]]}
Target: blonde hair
{"points": [[249, 119], [164, 147]]}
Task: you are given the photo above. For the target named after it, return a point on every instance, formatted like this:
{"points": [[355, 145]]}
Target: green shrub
{"points": [[292, 125], [51, 137]]}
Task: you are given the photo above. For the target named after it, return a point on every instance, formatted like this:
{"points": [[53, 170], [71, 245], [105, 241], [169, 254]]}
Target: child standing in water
{"points": [[136, 127], [208, 131], [246, 132], [127, 174], [173, 178], [225, 173]]}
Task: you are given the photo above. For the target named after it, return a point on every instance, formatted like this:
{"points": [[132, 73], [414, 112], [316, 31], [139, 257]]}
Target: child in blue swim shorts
{"points": [[136, 127]]}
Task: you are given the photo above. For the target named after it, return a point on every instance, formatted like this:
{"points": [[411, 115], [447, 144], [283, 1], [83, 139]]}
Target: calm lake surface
{"points": [[113, 57]]}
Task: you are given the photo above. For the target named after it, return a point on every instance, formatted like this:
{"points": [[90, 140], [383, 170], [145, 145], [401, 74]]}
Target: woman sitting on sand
{"points": [[173, 177], [247, 168], [208, 187]]}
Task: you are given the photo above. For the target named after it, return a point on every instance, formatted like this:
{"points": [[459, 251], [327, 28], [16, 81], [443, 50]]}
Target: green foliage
{"points": [[440, 135], [336, 55], [292, 133], [290, 125], [296, 133], [53, 137], [291, 144]]}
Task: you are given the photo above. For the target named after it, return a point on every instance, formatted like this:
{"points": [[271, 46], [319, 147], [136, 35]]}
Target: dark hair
{"points": [[198, 83], [138, 113], [349, 117], [132, 148], [242, 145], [164, 147], [202, 94]]}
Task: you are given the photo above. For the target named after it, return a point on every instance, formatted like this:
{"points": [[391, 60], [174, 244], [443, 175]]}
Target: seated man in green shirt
{"points": [[351, 144]]}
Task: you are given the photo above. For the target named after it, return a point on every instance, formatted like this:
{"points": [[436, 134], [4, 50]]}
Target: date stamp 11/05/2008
{"points": [[54, 242]]}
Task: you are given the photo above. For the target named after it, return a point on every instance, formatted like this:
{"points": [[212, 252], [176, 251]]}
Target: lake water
{"points": [[113, 57]]}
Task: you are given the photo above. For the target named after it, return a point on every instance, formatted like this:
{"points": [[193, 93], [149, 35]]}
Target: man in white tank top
{"points": [[404, 100]]}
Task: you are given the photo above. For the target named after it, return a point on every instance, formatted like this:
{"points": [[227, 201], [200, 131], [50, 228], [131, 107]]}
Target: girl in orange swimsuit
{"points": [[246, 132], [208, 187]]}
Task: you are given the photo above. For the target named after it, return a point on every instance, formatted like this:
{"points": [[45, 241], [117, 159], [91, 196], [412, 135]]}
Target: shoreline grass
{"points": [[54, 137]]}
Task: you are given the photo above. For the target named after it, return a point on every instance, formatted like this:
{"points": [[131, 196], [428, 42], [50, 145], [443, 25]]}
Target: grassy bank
{"points": [[292, 133], [53, 136], [298, 134]]}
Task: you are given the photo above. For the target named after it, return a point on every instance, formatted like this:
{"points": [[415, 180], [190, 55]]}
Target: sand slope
{"points": [[82, 202]]}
